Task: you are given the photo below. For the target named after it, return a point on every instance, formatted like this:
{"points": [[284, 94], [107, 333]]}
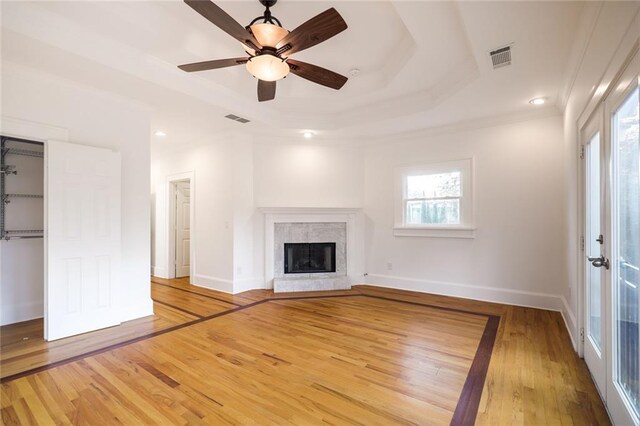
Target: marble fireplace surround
{"points": [[326, 224]]}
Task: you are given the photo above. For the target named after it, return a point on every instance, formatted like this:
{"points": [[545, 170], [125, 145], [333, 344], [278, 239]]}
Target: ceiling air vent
{"points": [[236, 118], [501, 57]]}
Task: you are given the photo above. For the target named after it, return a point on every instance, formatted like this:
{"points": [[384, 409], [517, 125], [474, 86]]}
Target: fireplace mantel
{"points": [[309, 210], [352, 217]]}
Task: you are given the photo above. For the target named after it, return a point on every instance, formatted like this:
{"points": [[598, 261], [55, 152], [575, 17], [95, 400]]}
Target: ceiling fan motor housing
{"points": [[268, 3]]}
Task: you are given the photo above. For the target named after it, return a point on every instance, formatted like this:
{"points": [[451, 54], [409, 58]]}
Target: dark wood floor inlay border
{"points": [[468, 403]]}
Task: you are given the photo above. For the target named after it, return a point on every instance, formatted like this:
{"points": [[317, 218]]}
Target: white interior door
{"points": [[594, 307], [82, 282], [182, 229]]}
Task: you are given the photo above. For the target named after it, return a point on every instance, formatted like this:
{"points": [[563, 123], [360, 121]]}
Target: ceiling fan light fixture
{"points": [[267, 67], [268, 34]]}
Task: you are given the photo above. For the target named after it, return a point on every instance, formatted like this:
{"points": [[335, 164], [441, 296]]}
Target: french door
{"points": [[611, 142]]}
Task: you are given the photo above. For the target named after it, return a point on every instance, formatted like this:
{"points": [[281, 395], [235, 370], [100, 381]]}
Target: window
{"points": [[435, 200]]}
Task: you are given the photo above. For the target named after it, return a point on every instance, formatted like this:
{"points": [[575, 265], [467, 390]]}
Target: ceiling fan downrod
{"points": [[267, 17]]}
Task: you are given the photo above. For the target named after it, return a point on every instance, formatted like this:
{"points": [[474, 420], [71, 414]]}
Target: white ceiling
{"points": [[423, 64]]}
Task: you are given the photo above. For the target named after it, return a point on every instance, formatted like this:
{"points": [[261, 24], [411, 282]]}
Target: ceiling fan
{"points": [[269, 46]]}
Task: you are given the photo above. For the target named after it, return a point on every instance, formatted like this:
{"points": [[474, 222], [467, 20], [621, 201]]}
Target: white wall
{"points": [[95, 118], [248, 258], [212, 199], [307, 175], [518, 253], [612, 32], [234, 177]]}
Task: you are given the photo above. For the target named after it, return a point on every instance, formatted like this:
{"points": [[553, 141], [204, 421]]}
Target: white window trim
{"points": [[466, 229]]}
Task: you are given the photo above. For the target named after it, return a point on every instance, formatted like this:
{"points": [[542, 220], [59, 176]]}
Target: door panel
{"points": [[82, 287], [183, 232], [625, 146], [594, 356]]}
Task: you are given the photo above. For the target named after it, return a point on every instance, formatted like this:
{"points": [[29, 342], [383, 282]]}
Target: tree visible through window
{"points": [[433, 199]]}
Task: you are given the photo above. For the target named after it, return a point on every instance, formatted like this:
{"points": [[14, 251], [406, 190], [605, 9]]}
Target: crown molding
{"points": [[485, 122]]}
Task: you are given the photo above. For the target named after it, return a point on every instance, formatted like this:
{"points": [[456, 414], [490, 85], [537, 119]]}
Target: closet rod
{"points": [[24, 195], [25, 152], [24, 237]]}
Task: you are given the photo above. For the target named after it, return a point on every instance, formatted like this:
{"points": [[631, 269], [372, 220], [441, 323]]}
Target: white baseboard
{"points": [[213, 283], [160, 272], [247, 284], [21, 312], [570, 322], [552, 302]]}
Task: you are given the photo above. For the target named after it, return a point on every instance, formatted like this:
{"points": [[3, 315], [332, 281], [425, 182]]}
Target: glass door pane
{"points": [[626, 250], [592, 246]]}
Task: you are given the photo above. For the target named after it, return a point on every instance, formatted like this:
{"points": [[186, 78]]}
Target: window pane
{"points": [[626, 261], [434, 185], [593, 247], [440, 212]]}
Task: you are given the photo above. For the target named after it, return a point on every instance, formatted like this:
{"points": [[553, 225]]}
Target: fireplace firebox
{"points": [[309, 258]]}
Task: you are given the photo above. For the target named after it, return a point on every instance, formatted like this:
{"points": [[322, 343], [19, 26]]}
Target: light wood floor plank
{"points": [[359, 359]]}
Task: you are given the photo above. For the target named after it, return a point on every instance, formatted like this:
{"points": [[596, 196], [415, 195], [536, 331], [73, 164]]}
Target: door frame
{"points": [[170, 207], [37, 132]]}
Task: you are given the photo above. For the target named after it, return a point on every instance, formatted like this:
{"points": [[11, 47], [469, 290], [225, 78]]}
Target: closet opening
{"points": [[22, 235]]}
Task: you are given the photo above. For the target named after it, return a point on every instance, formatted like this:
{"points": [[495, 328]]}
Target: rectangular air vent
{"points": [[236, 118], [501, 57]]}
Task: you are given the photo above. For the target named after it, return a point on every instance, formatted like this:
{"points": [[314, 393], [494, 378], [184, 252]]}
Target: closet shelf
{"points": [[23, 196], [24, 231], [25, 152]]}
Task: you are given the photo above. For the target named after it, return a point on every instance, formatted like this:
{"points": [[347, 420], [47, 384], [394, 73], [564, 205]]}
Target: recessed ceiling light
{"points": [[537, 101], [308, 134], [160, 133]]}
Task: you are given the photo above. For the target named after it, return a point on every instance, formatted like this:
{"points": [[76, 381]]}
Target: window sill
{"points": [[434, 232]]}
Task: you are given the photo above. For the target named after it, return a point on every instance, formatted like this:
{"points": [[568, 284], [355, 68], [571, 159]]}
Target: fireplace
{"points": [[309, 258]]}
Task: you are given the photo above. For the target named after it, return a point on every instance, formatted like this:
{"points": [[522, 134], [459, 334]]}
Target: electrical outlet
{"points": [[389, 266]]}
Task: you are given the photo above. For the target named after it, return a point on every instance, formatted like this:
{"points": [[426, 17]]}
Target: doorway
{"points": [[611, 261], [180, 229]]}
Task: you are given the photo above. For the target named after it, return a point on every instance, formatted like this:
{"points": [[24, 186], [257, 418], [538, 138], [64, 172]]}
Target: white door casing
{"points": [[82, 239], [182, 229]]}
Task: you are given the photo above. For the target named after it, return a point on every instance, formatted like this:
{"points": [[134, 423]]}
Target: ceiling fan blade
{"points": [[317, 74], [211, 65], [316, 30], [266, 90], [222, 20]]}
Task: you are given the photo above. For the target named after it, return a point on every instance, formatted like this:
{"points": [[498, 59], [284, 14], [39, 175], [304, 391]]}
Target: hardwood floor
{"points": [[365, 356]]}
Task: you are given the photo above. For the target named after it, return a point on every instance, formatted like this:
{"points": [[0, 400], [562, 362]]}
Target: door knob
{"points": [[599, 262]]}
